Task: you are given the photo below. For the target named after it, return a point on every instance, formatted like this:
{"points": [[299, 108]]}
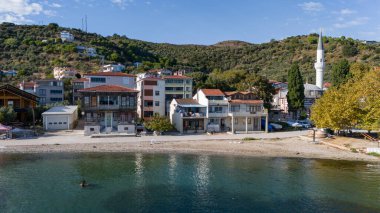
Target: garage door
{"points": [[56, 122]]}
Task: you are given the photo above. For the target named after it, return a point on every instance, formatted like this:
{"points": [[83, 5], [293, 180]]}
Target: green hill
{"points": [[35, 50]]}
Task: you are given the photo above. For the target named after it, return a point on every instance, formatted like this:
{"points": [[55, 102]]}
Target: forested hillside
{"points": [[32, 49]]}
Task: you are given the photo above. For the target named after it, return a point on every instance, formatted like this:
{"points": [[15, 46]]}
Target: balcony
{"points": [[109, 107], [217, 114], [193, 115], [247, 114], [218, 102]]}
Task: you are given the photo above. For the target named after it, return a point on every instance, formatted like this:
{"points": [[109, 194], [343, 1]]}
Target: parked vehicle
{"points": [[276, 126]]}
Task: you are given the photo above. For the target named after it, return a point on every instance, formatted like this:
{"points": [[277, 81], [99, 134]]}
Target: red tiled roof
{"points": [[176, 77], [187, 101], [80, 80], [212, 92], [28, 84], [152, 79], [108, 88], [235, 92], [110, 74], [327, 84], [238, 101]]}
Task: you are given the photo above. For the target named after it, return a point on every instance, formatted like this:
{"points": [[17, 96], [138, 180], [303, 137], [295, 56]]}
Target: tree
{"points": [[7, 115], [295, 96], [349, 50], [159, 123], [260, 86], [340, 72]]}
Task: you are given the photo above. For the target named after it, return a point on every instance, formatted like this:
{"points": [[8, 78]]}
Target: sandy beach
{"points": [[284, 144]]}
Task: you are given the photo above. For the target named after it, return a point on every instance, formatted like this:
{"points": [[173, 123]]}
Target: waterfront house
{"points": [[20, 100], [217, 108], [109, 108], [188, 115], [245, 112], [177, 87], [110, 78], [60, 118], [151, 99]]}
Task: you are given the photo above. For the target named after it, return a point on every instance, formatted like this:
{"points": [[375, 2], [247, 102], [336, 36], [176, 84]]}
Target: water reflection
{"points": [[172, 169], [201, 179]]}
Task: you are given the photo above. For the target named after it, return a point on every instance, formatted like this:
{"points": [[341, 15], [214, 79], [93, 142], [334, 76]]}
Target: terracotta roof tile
{"points": [[108, 88], [239, 101], [110, 74], [187, 101], [212, 92]]}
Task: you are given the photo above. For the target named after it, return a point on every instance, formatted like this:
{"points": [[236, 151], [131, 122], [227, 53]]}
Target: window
{"points": [[125, 128], [59, 122], [236, 121], [187, 96], [98, 80], [92, 129], [148, 114], [249, 121], [188, 89], [64, 122], [86, 101], [157, 93], [156, 103], [148, 103], [42, 91], [55, 91], [235, 108], [94, 101], [10, 103], [153, 83]]}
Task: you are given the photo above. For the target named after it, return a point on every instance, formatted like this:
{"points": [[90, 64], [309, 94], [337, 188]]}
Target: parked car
{"points": [[297, 125], [276, 126]]}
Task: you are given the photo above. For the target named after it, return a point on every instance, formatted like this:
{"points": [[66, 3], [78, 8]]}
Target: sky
{"points": [[203, 21]]}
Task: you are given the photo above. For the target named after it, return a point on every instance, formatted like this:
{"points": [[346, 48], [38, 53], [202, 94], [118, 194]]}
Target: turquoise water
{"points": [[184, 183]]}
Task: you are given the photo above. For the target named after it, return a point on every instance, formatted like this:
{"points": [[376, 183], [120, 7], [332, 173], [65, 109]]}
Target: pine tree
{"points": [[340, 73], [295, 96]]}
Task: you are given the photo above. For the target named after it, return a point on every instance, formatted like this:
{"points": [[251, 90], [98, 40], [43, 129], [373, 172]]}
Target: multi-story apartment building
{"points": [[245, 111], [177, 87], [49, 91], [64, 72], [110, 78], [188, 116], [109, 108], [66, 36], [217, 108], [151, 99]]}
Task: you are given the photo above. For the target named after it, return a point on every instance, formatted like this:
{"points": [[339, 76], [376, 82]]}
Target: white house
{"points": [[66, 36], [188, 116], [217, 108], [64, 72], [113, 68], [60, 118]]}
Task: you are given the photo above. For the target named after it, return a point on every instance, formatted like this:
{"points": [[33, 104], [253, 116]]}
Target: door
{"points": [[108, 119]]}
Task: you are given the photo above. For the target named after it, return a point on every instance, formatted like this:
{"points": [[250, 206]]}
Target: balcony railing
{"points": [[109, 107], [244, 113], [193, 115], [218, 102]]}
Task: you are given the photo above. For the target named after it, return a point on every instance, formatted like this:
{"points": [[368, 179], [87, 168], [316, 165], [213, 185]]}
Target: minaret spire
{"points": [[320, 63]]}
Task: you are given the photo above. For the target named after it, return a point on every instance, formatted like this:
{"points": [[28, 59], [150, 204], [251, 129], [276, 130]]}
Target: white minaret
{"points": [[320, 63]]}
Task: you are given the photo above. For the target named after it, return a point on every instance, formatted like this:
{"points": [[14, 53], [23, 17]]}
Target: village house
{"points": [[78, 84], [109, 108], [64, 72], [66, 36], [113, 68], [188, 115], [49, 91], [217, 108], [245, 112], [151, 99], [20, 100]]}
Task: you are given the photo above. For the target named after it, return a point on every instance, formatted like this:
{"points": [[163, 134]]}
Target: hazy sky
{"points": [[203, 21]]}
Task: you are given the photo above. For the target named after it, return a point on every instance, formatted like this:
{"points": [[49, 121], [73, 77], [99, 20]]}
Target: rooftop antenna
{"points": [[82, 28]]}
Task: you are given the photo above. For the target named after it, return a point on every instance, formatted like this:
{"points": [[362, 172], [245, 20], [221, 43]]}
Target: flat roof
{"points": [[61, 110]]}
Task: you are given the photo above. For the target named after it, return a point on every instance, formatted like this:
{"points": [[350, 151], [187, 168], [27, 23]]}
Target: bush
{"points": [[349, 50]]}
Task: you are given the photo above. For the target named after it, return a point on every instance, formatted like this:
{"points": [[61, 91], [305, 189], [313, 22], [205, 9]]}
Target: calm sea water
{"points": [[184, 183]]}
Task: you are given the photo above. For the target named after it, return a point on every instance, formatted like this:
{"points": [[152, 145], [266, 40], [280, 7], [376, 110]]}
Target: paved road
{"points": [[77, 137]]}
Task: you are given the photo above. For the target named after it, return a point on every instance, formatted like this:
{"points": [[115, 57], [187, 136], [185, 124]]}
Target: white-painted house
{"points": [[60, 118], [188, 116]]}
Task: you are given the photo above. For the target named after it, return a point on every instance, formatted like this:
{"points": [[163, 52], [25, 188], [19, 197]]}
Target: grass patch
{"points": [[354, 150], [249, 139], [374, 154]]}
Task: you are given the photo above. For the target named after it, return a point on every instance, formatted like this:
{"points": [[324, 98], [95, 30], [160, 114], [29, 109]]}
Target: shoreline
{"points": [[291, 147]]}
